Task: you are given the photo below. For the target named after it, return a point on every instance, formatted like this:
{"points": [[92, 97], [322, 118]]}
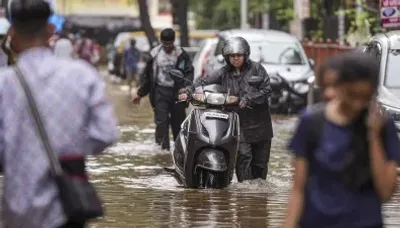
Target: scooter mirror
{"points": [[220, 58]]}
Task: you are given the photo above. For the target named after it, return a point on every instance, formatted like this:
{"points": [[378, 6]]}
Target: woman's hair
{"points": [[29, 17], [333, 63], [358, 66]]}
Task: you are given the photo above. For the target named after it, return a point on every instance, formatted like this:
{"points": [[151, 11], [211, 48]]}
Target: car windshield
{"points": [[392, 78], [277, 53]]}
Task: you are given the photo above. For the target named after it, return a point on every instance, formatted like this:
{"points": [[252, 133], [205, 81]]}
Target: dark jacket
{"points": [[148, 80], [255, 124]]}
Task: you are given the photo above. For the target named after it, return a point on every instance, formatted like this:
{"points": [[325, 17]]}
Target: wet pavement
{"points": [[137, 193]]}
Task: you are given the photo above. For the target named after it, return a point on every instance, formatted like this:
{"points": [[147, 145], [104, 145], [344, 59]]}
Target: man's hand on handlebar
{"points": [[183, 97], [244, 104]]}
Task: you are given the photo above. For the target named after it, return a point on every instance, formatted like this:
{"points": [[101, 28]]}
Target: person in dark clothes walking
{"points": [[163, 90]]}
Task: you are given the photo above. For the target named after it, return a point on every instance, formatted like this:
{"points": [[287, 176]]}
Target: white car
{"points": [[202, 55]]}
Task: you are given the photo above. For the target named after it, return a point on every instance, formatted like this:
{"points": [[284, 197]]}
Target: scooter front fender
{"points": [[212, 159]]}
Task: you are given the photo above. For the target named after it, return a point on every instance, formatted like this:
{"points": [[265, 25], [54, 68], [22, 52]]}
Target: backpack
{"points": [[315, 131]]}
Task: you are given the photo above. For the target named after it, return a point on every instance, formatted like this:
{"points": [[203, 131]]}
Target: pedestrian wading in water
{"points": [[249, 81], [346, 154], [163, 90]]}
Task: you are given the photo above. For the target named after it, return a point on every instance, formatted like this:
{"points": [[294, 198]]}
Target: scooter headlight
{"points": [[232, 100], [216, 98], [198, 97], [301, 87]]}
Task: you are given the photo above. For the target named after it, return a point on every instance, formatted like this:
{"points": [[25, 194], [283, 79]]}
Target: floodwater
{"points": [[138, 193]]}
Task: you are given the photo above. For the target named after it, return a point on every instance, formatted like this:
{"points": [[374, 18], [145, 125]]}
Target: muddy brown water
{"points": [[137, 193]]}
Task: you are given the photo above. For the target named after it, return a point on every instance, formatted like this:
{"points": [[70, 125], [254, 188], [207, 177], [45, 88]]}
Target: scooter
{"points": [[288, 97], [207, 146]]}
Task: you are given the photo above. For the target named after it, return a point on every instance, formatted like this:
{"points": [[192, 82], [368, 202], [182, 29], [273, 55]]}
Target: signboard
{"points": [[390, 13]]}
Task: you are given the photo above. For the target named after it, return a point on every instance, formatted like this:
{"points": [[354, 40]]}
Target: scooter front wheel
{"points": [[210, 179]]}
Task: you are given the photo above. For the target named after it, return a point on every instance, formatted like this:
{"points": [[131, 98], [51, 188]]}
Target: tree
{"points": [[204, 14], [180, 9], [146, 24], [363, 24], [224, 13]]}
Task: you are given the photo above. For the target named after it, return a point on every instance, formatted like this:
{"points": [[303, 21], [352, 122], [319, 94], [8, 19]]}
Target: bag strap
{"points": [[316, 130], [55, 165]]}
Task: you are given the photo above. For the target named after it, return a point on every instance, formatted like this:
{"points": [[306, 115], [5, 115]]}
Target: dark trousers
{"points": [[73, 225], [167, 113], [252, 161]]}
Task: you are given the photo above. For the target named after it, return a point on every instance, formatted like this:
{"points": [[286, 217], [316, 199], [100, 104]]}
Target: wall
{"points": [[96, 7], [159, 10], [159, 18]]}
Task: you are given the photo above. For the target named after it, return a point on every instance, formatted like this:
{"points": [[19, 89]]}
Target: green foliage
{"points": [[283, 11], [210, 14], [317, 12], [257, 6], [225, 14], [364, 19]]}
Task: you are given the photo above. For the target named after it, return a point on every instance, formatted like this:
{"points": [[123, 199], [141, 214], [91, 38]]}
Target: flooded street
{"points": [[138, 193]]}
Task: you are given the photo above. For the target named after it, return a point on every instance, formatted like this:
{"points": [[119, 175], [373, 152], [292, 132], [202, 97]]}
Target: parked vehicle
{"points": [[277, 51], [288, 97], [202, 55], [207, 146], [208, 66], [386, 49]]}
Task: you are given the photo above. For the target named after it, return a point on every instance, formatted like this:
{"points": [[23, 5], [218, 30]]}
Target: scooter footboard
{"points": [[212, 159]]}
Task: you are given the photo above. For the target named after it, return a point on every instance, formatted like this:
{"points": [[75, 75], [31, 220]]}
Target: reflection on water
{"points": [[137, 193]]}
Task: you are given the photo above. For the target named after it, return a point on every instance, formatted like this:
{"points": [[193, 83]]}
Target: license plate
{"points": [[216, 115]]}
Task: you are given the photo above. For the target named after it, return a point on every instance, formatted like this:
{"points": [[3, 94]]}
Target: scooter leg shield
{"points": [[212, 159]]}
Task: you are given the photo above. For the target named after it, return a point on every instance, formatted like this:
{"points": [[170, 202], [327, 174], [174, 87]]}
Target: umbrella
{"points": [[58, 22]]}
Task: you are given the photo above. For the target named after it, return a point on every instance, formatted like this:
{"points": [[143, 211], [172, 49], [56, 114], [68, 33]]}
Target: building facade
{"points": [[159, 10]]}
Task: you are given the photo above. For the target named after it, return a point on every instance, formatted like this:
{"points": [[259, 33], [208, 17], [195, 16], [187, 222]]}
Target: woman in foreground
{"points": [[346, 154]]}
